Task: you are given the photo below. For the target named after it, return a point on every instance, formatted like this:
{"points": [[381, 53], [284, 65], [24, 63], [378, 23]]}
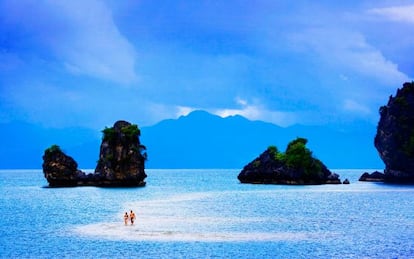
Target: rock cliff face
{"points": [[121, 161], [395, 136], [295, 166], [59, 169]]}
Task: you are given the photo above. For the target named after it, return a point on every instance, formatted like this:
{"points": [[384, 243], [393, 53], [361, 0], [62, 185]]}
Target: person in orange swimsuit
{"points": [[132, 217]]}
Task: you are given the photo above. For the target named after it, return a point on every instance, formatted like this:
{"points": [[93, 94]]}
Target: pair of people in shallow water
{"points": [[130, 217]]}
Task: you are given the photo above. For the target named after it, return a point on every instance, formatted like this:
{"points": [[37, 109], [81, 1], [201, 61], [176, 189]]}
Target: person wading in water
{"points": [[132, 217], [126, 217]]}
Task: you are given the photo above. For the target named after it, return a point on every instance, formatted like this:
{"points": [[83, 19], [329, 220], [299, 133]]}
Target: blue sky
{"points": [[90, 63]]}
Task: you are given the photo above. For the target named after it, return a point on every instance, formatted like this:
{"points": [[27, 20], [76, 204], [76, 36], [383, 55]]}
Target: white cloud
{"points": [[95, 46], [257, 112], [155, 112], [82, 35], [241, 101], [251, 112], [349, 50], [372, 63], [356, 107], [403, 13], [183, 110]]}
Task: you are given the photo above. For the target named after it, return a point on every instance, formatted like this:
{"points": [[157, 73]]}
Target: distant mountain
{"points": [[203, 140], [198, 140]]}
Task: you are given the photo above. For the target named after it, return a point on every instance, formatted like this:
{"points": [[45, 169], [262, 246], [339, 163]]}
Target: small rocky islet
{"points": [[121, 161], [295, 166], [372, 177]]}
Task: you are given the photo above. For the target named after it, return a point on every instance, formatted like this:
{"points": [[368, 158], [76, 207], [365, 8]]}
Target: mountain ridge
{"points": [[196, 140], [232, 141]]}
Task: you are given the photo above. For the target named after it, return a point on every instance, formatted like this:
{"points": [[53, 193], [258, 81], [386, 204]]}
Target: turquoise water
{"points": [[205, 214]]}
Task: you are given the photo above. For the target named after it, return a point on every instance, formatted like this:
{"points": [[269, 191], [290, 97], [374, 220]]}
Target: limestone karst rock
{"points": [[295, 166], [59, 169], [395, 136], [121, 158], [121, 161]]}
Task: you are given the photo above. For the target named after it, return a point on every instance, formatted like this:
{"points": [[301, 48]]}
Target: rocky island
{"points": [[121, 161], [372, 177], [395, 136], [295, 166]]}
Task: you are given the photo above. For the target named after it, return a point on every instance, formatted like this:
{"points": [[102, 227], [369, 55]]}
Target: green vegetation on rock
{"points": [[109, 134], [274, 152], [131, 131], [298, 156], [52, 149]]}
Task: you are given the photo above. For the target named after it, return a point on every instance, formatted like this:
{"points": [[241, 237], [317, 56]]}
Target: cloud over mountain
{"points": [[88, 63]]}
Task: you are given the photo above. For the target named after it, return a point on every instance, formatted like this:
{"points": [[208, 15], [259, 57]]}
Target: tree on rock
{"points": [[299, 157]]}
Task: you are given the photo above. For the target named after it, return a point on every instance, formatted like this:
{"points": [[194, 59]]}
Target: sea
{"points": [[203, 213]]}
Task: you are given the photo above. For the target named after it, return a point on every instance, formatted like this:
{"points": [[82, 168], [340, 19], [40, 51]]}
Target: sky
{"points": [[89, 63]]}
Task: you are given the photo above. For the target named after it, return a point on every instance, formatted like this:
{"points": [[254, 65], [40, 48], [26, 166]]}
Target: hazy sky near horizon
{"points": [[90, 63]]}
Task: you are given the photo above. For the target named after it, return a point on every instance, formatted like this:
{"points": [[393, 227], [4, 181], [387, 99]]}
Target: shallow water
{"points": [[205, 213]]}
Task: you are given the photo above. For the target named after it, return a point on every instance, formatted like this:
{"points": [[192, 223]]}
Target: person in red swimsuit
{"points": [[126, 217]]}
